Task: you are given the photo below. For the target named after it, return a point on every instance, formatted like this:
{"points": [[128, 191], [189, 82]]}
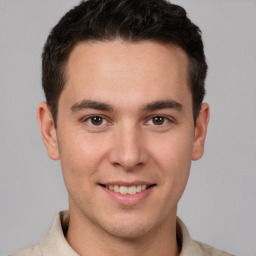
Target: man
{"points": [[124, 85]]}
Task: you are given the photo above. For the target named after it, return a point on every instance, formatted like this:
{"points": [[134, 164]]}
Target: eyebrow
{"points": [[85, 104], [162, 104], [152, 106]]}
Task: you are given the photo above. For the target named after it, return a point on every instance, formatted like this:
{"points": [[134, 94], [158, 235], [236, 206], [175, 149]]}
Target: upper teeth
{"points": [[127, 190]]}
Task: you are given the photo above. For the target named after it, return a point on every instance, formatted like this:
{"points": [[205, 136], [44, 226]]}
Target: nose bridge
{"points": [[128, 149]]}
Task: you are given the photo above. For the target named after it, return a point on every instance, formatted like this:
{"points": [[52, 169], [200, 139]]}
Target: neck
{"points": [[87, 239]]}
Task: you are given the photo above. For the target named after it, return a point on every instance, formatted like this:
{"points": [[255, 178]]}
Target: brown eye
{"points": [[96, 120], [158, 120]]}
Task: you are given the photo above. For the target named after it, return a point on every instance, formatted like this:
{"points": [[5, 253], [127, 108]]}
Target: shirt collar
{"points": [[188, 246], [54, 242]]}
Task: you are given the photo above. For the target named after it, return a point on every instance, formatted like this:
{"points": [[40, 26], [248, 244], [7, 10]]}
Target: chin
{"points": [[129, 228], [128, 232]]}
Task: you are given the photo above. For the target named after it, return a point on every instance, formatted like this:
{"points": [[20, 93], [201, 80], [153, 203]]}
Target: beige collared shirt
{"points": [[55, 244]]}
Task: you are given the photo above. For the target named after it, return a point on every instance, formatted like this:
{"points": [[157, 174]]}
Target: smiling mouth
{"points": [[127, 190]]}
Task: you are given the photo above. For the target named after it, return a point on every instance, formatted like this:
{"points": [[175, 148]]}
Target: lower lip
{"points": [[128, 199]]}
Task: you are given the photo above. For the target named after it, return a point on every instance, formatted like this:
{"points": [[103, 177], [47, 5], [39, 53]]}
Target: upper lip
{"points": [[127, 184]]}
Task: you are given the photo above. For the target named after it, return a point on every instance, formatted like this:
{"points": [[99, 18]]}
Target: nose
{"points": [[128, 148]]}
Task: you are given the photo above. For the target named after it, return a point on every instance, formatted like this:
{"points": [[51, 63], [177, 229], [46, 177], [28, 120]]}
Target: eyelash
{"points": [[104, 120], [165, 120], [90, 118]]}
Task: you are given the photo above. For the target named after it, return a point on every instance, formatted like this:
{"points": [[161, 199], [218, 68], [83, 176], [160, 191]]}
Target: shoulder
{"points": [[33, 250], [208, 250]]}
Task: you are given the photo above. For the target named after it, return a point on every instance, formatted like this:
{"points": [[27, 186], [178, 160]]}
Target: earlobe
{"points": [[48, 131], [200, 131]]}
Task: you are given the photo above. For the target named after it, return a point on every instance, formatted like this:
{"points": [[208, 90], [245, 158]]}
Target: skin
{"points": [[126, 144]]}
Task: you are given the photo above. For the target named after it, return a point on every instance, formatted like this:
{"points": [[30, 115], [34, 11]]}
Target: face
{"points": [[125, 135]]}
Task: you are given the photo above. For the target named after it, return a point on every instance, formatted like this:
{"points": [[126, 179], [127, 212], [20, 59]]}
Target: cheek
{"points": [[173, 151], [173, 158], [80, 157]]}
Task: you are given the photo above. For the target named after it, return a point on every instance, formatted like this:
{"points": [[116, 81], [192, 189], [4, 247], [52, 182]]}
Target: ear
{"points": [[48, 131], [200, 131]]}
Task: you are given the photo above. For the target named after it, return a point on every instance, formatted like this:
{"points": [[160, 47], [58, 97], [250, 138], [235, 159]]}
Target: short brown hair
{"points": [[132, 21]]}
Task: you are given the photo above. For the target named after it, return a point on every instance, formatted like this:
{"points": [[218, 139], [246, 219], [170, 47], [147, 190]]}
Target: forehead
{"points": [[96, 69], [119, 55]]}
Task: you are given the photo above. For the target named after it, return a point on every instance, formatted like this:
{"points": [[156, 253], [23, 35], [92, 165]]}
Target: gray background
{"points": [[219, 205]]}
